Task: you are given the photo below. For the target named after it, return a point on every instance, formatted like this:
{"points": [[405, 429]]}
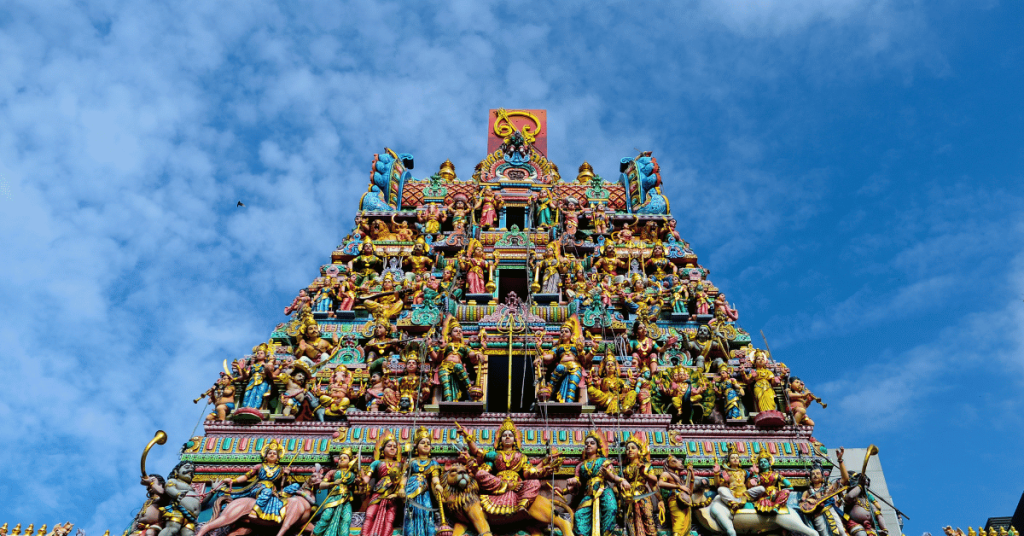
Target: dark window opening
{"points": [[515, 216]]}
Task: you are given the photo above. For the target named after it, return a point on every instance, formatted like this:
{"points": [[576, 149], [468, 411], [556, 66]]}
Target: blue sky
{"points": [[849, 171]]}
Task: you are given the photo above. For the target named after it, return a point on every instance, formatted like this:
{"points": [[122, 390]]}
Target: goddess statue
{"points": [[638, 491], [336, 516], [268, 484], [454, 353], [489, 204], [420, 481], [597, 508], [729, 391], [764, 381], [259, 373], [386, 470], [610, 393]]}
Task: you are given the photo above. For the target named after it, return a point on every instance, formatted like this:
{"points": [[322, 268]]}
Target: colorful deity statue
{"points": [[570, 210], [708, 352], [670, 231], [637, 496], [800, 399], [641, 385], [731, 481], [346, 292], [422, 487], [599, 217], [594, 479], [644, 349], [723, 311], [507, 479], [373, 391], [860, 507], [299, 303], [677, 493], [409, 386], [336, 509], [418, 262], [680, 295], [821, 502], [729, 392], [488, 203], [401, 230], [367, 265], [608, 263], [571, 352], [452, 359], [311, 347], [386, 304], [431, 217], [268, 485], [340, 392], [764, 382], [181, 501], [459, 208], [222, 397], [701, 300], [702, 397], [259, 375], [380, 347], [385, 499], [609, 392], [543, 217], [658, 267], [298, 399], [476, 267], [775, 488], [547, 271]]}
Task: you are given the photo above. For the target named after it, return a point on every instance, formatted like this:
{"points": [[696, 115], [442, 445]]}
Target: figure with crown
{"points": [[266, 484], [297, 399], [422, 487], [595, 477], [609, 392], [452, 359], [336, 509], [386, 470], [509, 484], [418, 262], [637, 491], [386, 304], [259, 375], [572, 353], [488, 203], [776, 488], [476, 266], [821, 501], [542, 214], [311, 348], [459, 209], [367, 264]]}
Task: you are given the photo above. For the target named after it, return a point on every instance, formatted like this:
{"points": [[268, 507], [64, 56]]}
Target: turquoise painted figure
{"points": [[598, 507], [336, 510], [261, 374], [422, 480]]}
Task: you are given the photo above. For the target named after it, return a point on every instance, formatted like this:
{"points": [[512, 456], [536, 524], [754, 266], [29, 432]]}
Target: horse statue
{"points": [[461, 497], [297, 511], [718, 517]]}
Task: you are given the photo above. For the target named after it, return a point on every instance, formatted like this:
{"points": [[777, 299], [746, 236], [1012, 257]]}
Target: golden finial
{"points": [[42, 530], [31, 528], [447, 171], [3, 530], [992, 531], [970, 532], [107, 533], [1002, 531], [586, 173], [17, 530]]}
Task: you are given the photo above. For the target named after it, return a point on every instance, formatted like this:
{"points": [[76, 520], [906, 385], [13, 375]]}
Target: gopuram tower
{"points": [[512, 352]]}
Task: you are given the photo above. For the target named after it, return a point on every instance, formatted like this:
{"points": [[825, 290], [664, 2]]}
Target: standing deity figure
{"points": [[542, 213], [459, 208], [222, 396], [730, 392], [298, 399], [570, 209], [595, 477], [610, 393], [570, 350], [386, 470], [599, 218], [409, 386], [511, 482], [800, 399], [641, 385], [644, 349], [422, 486], [658, 267], [346, 293], [259, 373], [268, 484], [764, 381], [299, 303], [860, 508], [609, 264], [386, 304], [822, 501], [431, 217], [452, 359], [182, 501], [670, 231], [336, 509], [677, 493], [702, 302], [548, 271], [419, 262], [776, 488], [723, 311], [380, 347], [477, 268], [367, 264], [703, 347], [680, 295], [637, 494], [488, 203]]}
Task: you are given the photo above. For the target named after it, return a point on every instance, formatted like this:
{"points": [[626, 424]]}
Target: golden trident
{"points": [[513, 323]]}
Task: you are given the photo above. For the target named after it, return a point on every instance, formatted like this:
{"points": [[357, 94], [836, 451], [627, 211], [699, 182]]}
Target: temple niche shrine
{"points": [[507, 350]]}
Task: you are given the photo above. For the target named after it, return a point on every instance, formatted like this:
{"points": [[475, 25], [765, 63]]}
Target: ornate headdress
{"points": [[261, 346], [764, 454], [382, 440], [641, 443], [421, 434], [602, 447], [273, 445], [301, 366], [508, 426]]}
